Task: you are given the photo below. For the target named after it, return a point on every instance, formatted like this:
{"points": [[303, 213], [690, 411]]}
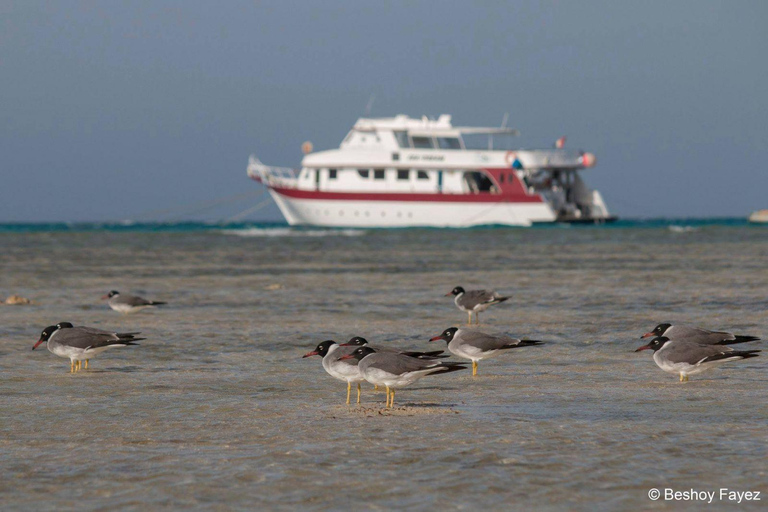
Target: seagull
{"points": [[78, 343], [346, 370], [474, 301], [396, 370], [358, 341], [697, 335], [687, 358], [477, 345], [125, 303]]}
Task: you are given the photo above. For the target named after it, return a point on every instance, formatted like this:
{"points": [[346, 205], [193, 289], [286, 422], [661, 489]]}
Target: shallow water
{"points": [[217, 409]]}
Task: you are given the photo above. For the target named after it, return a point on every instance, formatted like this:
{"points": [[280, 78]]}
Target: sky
{"points": [[149, 110]]}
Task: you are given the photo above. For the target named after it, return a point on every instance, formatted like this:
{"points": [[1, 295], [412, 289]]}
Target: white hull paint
{"points": [[393, 214]]}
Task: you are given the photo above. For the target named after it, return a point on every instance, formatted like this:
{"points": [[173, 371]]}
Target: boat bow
{"points": [[271, 176]]}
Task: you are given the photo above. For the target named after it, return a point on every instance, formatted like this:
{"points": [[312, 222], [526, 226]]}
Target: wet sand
{"points": [[217, 409]]}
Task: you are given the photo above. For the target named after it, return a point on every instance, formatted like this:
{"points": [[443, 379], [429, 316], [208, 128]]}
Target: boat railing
{"points": [[270, 175]]}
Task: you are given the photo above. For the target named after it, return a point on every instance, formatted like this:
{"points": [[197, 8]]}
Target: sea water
{"points": [[217, 409]]}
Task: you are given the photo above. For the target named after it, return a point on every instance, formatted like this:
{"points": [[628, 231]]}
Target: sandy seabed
{"points": [[217, 410]]}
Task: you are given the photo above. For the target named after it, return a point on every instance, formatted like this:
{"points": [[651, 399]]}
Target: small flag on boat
{"points": [[560, 143], [517, 164]]}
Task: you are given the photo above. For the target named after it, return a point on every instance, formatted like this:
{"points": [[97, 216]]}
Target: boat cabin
{"points": [[402, 155]]}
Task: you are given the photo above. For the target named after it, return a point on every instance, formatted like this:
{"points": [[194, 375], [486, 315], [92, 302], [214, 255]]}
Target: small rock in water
{"points": [[17, 300], [272, 287]]}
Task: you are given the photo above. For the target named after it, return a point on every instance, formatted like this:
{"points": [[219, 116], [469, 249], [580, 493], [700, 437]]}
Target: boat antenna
{"points": [[504, 120], [369, 105]]}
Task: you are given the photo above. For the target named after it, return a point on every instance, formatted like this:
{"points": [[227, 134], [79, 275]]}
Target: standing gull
{"points": [[82, 343], [686, 358], [346, 370], [474, 301], [359, 341], [698, 335], [396, 370], [124, 303], [477, 345]]}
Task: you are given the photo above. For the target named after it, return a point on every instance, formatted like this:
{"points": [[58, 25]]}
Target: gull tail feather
{"points": [[450, 367], [741, 339], [736, 354], [523, 343], [436, 354]]}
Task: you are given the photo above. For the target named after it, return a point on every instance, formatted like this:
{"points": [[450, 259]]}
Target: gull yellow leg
{"points": [[86, 364], [474, 368], [71, 366], [78, 365], [469, 318], [392, 397], [387, 397], [349, 389], [358, 392], [375, 387], [477, 318]]}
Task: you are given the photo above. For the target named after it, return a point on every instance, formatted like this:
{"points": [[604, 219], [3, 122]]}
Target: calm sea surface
{"points": [[217, 410]]}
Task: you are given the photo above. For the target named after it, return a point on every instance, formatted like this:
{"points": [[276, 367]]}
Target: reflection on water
{"points": [[217, 408]]}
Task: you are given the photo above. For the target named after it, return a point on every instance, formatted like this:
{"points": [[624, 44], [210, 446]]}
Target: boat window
{"points": [[402, 138], [422, 175], [449, 143], [403, 174], [422, 142], [331, 174], [378, 174], [478, 182], [364, 173], [501, 178]]}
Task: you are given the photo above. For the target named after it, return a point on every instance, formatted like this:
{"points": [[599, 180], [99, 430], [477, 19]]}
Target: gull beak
{"points": [[37, 344], [308, 354], [646, 335], [448, 294], [348, 356], [644, 347], [436, 338], [345, 345], [105, 297]]}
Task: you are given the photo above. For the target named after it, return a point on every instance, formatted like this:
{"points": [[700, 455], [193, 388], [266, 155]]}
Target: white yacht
{"points": [[407, 172]]}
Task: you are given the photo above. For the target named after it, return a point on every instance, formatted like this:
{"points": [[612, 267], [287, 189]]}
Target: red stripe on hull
{"points": [[482, 197]]}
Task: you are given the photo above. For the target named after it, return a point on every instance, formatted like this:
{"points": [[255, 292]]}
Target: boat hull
{"points": [[394, 213], [759, 217]]}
